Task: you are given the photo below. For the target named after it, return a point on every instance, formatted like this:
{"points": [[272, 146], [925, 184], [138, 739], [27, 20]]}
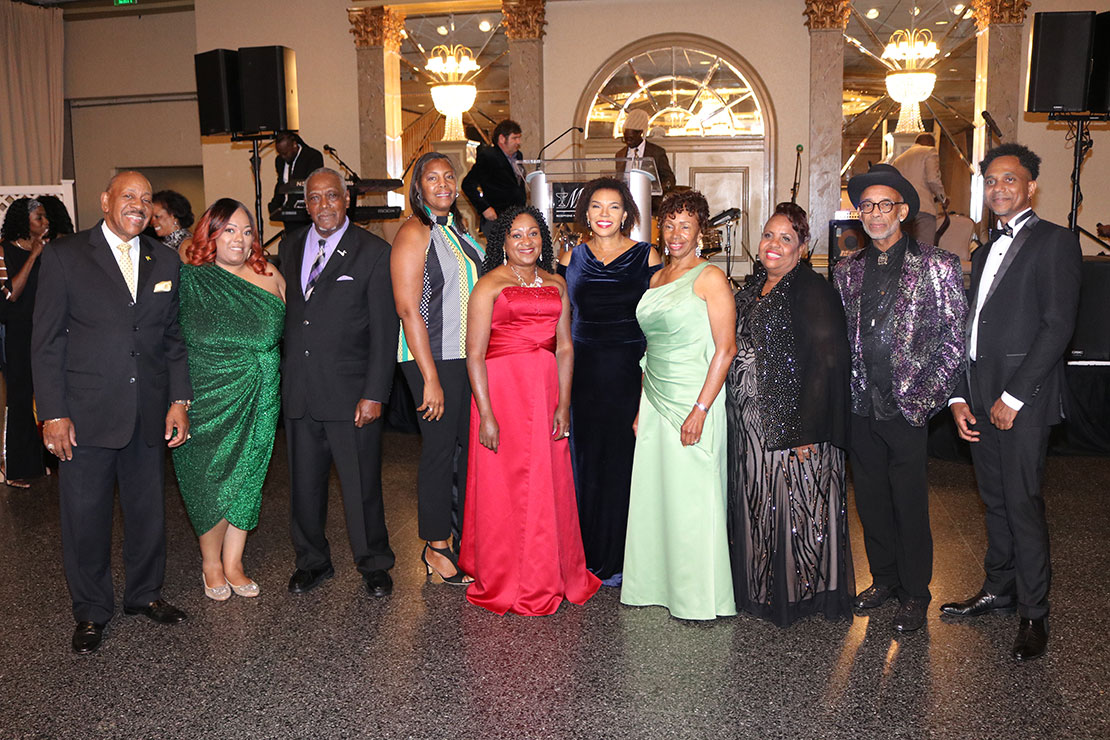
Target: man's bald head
{"points": [[127, 204]]}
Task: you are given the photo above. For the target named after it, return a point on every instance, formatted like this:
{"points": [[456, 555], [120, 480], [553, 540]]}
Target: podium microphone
{"points": [[579, 129], [992, 126]]}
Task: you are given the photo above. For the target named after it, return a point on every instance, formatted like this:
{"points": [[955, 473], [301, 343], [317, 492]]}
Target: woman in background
{"points": [[434, 265], [232, 315], [787, 402], [21, 238], [171, 219], [676, 554], [56, 213], [606, 277], [522, 542]]}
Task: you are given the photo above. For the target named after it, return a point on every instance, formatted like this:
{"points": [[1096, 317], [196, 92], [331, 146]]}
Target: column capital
{"points": [[990, 12], [827, 15], [379, 26], [523, 19]]}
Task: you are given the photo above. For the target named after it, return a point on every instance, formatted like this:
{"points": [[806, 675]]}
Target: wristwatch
{"points": [[187, 404]]}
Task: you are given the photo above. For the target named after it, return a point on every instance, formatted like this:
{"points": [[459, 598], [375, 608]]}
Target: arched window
{"points": [[685, 92]]}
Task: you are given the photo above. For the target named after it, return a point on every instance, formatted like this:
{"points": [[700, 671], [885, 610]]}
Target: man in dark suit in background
{"points": [[295, 161], [636, 124], [340, 350], [1024, 298], [112, 383], [496, 181]]}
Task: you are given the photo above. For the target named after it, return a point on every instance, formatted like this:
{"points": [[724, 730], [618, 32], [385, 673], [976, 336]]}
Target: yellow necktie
{"points": [[127, 267]]}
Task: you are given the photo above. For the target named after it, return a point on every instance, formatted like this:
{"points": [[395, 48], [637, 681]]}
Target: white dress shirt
{"points": [[990, 272], [113, 244]]}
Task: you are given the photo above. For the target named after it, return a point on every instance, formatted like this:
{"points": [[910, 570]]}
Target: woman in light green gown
{"points": [[676, 552]]}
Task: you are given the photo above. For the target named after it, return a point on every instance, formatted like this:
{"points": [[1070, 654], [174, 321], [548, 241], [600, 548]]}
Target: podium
{"points": [[555, 186]]}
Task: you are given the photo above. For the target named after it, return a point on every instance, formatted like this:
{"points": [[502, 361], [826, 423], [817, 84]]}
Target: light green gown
{"points": [[676, 552]]}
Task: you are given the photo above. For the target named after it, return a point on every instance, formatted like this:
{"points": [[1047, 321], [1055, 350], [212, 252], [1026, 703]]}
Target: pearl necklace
{"points": [[536, 282]]}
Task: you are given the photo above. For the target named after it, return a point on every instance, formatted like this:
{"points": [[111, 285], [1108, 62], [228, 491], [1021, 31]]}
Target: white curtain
{"points": [[31, 96]]}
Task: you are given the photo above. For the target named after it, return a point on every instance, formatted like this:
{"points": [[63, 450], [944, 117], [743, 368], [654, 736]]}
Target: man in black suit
{"points": [[636, 123], [496, 181], [110, 370], [1024, 298], [295, 161], [340, 350]]}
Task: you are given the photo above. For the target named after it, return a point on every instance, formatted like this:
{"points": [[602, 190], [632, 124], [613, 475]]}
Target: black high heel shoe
{"points": [[455, 580]]}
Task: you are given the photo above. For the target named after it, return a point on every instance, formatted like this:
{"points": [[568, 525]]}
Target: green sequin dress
{"points": [[232, 329]]}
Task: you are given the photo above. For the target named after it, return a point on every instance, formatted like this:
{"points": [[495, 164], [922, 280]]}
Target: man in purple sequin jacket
{"points": [[905, 306]]}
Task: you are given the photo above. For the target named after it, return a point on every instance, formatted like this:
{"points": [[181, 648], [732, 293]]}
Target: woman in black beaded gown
{"points": [[787, 407]]}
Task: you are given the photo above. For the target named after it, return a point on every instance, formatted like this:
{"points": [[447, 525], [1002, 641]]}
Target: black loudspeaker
{"points": [[845, 237], [1060, 62], [1091, 340], [268, 89], [218, 91], [1098, 96]]}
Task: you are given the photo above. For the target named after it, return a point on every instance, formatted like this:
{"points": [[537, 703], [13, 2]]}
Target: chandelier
{"points": [[910, 85], [453, 94]]}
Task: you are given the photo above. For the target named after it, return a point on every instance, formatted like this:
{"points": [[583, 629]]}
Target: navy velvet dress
{"points": [[608, 345]]}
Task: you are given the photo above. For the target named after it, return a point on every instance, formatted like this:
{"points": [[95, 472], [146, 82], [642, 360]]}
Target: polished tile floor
{"points": [[423, 663]]}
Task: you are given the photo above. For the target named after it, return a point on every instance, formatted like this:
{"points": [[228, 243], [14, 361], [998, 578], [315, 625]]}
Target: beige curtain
{"points": [[31, 96]]}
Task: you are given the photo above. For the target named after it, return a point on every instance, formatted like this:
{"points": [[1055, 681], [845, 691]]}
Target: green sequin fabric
{"points": [[232, 330]]}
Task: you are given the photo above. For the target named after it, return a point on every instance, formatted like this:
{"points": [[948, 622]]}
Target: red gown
{"points": [[521, 540]]}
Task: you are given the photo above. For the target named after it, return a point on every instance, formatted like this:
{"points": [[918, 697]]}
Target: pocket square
{"points": [[341, 278], [163, 287]]}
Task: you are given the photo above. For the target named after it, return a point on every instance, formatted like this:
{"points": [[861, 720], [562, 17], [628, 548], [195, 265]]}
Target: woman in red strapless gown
{"points": [[522, 543]]}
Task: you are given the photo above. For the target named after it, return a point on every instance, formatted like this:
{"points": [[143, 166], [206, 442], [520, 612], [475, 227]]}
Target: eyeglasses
{"points": [[884, 206]]}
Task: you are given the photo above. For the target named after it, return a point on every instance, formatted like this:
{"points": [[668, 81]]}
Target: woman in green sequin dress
{"points": [[232, 313]]}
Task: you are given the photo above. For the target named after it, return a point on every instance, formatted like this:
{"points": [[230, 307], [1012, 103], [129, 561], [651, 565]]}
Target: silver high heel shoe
{"points": [[217, 593]]}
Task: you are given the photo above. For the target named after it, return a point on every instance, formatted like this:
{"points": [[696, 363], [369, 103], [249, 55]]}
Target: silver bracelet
{"points": [[702, 406]]}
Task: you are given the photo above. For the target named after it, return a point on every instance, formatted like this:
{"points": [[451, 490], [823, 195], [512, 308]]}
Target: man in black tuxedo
{"points": [[496, 181], [340, 350], [295, 161], [1024, 298], [112, 383], [636, 124]]}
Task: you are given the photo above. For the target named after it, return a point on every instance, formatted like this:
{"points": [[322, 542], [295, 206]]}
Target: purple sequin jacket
{"points": [[929, 316]]}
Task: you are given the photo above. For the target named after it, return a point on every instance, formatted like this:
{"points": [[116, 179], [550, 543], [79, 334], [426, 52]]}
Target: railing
{"points": [[421, 135]]}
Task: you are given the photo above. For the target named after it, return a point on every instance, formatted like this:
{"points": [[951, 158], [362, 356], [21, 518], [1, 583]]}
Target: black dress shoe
{"points": [[911, 615], [160, 611], [980, 603], [378, 583], [303, 581], [873, 596], [1031, 642], [87, 637]]}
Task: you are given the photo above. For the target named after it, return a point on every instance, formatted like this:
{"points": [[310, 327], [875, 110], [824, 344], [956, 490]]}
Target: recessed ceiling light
{"points": [[442, 30], [484, 26], [419, 105], [942, 23], [873, 13], [953, 69], [916, 11], [958, 9]]}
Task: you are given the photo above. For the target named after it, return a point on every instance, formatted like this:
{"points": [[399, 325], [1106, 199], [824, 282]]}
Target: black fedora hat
{"points": [[885, 174]]}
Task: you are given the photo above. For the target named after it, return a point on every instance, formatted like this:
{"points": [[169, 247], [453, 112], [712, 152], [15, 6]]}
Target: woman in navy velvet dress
{"points": [[606, 276]]}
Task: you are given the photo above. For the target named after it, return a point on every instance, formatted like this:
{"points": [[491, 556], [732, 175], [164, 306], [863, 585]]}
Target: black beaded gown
{"points": [[605, 396], [788, 523]]}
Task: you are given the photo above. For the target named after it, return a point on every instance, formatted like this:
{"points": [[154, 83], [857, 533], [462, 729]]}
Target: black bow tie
{"points": [[1008, 229]]}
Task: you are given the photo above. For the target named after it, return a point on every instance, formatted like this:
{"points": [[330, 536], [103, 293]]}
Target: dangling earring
{"points": [[623, 219], [697, 249], [666, 251]]}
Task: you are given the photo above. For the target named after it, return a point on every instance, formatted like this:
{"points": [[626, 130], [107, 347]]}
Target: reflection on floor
{"points": [[423, 663]]}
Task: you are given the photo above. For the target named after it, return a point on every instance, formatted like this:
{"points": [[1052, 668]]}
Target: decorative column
{"points": [[377, 33], [826, 20], [523, 21], [998, 68]]}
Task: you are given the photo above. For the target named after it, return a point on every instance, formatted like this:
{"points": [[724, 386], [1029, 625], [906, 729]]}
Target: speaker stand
{"points": [[1082, 144], [256, 170]]}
